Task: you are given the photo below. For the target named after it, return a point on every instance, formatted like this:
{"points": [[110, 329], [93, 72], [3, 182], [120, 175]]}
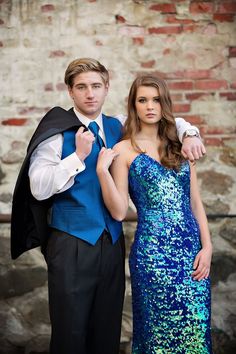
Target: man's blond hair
{"points": [[84, 65]]}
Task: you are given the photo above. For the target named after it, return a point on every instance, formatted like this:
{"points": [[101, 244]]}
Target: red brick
{"points": [[148, 64], [165, 30], [181, 107], [57, 53], [147, 72], [193, 119], [196, 95], [229, 130], [212, 141], [177, 97], [61, 86], [213, 130], [228, 138], [230, 96], [166, 51], [201, 7], [120, 19], [233, 85], [189, 74], [227, 7], [163, 8], [180, 85], [15, 121], [48, 87], [47, 8], [232, 52], [197, 74], [189, 28], [210, 84], [160, 74], [223, 17], [98, 43], [30, 110], [138, 40], [26, 110], [173, 19]]}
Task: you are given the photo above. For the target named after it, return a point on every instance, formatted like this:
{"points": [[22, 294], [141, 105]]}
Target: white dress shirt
{"points": [[49, 174]]}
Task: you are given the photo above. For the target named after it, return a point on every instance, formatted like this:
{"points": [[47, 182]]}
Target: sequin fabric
{"points": [[171, 311]]}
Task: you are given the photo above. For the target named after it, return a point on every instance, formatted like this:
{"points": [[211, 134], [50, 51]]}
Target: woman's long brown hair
{"points": [[170, 147]]}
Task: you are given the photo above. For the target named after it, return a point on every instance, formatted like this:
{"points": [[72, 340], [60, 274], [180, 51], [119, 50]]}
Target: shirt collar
{"points": [[85, 120]]}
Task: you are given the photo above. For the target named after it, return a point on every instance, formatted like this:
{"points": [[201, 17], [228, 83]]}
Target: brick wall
{"points": [[189, 43]]}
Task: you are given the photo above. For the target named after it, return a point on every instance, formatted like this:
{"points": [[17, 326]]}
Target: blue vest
{"points": [[80, 210]]}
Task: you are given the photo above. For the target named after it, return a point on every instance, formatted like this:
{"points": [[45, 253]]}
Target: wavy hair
{"points": [[170, 146]]}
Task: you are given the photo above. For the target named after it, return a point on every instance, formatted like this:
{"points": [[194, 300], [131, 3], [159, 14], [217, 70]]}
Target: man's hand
{"points": [[193, 148], [83, 142]]}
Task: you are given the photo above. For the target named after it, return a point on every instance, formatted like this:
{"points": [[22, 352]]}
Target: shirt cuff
{"points": [[73, 164], [182, 126]]}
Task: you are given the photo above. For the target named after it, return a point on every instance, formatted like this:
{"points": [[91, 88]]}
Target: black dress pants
{"points": [[86, 290]]}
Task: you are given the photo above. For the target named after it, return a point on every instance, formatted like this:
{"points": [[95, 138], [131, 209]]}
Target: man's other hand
{"points": [[193, 148]]}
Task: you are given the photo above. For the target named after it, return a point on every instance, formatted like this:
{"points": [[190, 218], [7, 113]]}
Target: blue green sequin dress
{"points": [[171, 311]]}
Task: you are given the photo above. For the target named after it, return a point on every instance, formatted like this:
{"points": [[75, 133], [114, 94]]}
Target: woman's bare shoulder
{"points": [[126, 152], [124, 145]]}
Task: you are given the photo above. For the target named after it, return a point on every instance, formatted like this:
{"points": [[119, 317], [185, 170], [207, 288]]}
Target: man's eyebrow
{"points": [[84, 84], [80, 84]]}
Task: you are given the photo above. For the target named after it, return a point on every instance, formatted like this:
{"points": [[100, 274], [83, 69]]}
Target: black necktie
{"points": [[93, 126]]}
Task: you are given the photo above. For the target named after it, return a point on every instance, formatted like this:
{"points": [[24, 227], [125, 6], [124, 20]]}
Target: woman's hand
{"points": [[105, 158], [202, 264]]}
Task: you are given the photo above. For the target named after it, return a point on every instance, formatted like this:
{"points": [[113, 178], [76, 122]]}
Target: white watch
{"points": [[190, 133]]}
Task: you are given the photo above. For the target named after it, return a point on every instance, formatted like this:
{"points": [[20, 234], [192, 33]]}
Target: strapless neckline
{"points": [[148, 157]]}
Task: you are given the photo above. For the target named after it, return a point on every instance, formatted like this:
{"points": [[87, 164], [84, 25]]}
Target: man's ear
{"points": [[70, 91], [107, 88]]}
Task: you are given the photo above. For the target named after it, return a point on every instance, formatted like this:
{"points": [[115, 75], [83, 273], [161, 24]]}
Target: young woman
{"points": [[171, 254]]}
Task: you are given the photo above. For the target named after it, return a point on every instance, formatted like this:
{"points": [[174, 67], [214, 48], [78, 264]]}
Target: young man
{"points": [[58, 204]]}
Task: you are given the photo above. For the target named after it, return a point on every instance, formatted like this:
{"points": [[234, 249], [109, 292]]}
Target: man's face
{"points": [[88, 92]]}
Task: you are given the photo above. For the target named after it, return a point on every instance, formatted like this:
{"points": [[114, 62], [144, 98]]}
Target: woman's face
{"points": [[148, 105]]}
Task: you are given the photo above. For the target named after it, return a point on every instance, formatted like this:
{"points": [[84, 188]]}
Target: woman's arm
{"points": [[202, 261], [112, 171]]}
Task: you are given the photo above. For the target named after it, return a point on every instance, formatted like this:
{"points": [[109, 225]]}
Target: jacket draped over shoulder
{"points": [[29, 228]]}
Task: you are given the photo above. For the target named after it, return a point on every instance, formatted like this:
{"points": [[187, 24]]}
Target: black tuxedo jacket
{"points": [[29, 216]]}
